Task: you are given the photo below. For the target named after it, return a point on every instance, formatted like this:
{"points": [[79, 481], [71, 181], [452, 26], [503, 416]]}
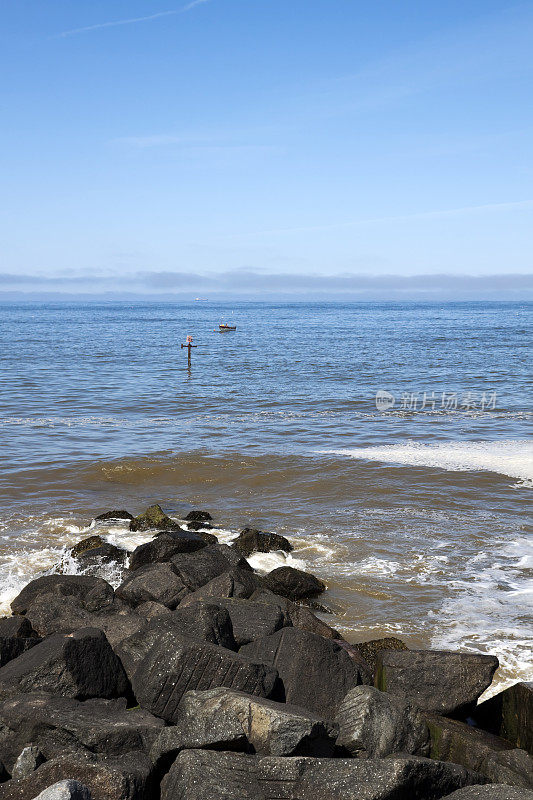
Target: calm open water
{"points": [[416, 515]]}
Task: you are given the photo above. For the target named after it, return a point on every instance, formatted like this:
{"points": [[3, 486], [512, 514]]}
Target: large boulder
{"points": [[158, 583], [95, 593], [494, 792], [124, 777], [222, 719], [65, 790], [54, 614], [176, 664], [164, 546], [79, 665], [206, 622], [153, 519], [446, 682], [373, 724], [201, 774], [491, 756], [316, 673], [57, 725], [293, 583], [300, 616], [250, 540], [197, 569], [239, 583], [510, 715], [252, 621], [12, 646]]}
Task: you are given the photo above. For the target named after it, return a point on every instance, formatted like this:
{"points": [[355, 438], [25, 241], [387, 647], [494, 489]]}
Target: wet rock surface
{"points": [[200, 678]]}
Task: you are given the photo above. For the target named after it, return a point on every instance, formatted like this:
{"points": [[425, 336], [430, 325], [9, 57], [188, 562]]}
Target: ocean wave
{"points": [[511, 458]]}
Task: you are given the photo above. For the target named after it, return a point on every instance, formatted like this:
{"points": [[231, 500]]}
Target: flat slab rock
{"points": [[207, 775], [124, 777], [177, 664], [223, 719], [57, 725], [436, 680]]}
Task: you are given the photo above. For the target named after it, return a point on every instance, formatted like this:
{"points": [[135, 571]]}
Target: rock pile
{"points": [[198, 678]]}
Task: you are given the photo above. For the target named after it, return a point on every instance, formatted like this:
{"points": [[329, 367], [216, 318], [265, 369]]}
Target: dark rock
{"points": [[442, 681], [499, 792], [197, 569], [198, 516], [510, 715], [316, 673], [250, 540], [28, 761], [293, 583], [124, 777], [114, 515], [366, 673], [154, 582], [54, 614], [57, 725], [208, 623], [65, 790], [201, 774], [95, 593], [373, 724], [240, 583], [4, 775], [175, 665], [78, 665], [370, 649], [252, 621], [95, 551], [300, 616], [209, 538], [17, 627], [199, 526], [11, 647], [480, 751], [223, 719], [151, 609], [163, 547], [153, 519]]}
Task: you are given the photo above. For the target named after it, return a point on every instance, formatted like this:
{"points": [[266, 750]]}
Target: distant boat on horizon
{"points": [[201, 300]]}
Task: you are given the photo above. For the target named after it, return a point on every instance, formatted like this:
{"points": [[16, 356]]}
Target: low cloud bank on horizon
{"points": [[244, 284]]}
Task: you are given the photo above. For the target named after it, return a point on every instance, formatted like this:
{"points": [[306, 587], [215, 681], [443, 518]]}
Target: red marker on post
{"points": [[189, 345]]}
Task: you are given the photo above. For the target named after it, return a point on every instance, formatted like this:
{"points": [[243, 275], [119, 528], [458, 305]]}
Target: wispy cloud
{"points": [[421, 215], [130, 20]]}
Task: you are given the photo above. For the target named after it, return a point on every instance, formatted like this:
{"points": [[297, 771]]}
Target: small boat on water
{"points": [[226, 327]]}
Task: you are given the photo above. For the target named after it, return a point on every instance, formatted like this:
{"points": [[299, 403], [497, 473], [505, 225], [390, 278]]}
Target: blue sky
{"points": [[264, 143]]}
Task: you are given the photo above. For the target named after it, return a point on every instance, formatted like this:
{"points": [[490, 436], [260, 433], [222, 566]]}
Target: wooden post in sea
{"points": [[188, 345]]}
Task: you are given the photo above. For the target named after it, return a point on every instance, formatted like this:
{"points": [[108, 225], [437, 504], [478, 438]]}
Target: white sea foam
{"points": [[512, 457]]}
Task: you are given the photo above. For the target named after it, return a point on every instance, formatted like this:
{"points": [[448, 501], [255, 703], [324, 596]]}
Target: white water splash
{"points": [[513, 457]]}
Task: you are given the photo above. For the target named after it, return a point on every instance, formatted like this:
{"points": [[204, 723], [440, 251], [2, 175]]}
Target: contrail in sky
{"points": [[130, 21]]}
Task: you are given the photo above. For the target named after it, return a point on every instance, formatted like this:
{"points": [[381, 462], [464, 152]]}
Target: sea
{"points": [[389, 441]]}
